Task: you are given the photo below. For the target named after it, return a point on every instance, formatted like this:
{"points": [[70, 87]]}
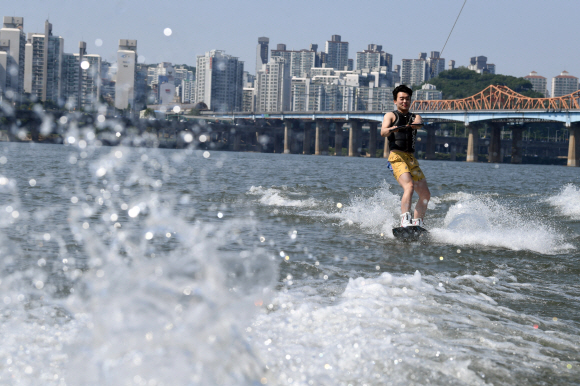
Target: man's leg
{"points": [[424, 196], [407, 184]]}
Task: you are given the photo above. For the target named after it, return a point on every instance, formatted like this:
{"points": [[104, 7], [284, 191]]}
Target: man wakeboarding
{"points": [[400, 129]]}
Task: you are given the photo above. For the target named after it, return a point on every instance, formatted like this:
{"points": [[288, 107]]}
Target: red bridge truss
{"points": [[500, 98]]}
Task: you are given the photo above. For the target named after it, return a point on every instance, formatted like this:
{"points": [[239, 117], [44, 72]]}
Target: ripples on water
{"points": [[166, 267]]}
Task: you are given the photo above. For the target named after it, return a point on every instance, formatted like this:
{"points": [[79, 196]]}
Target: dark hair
{"points": [[401, 88]]}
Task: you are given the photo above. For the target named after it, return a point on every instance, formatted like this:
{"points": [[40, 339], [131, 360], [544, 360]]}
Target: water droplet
{"points": [[32, 182], [176, 109], [202, 138], [187, 137], [440, 257], [98, 42], [63, 120], [148, 236], [206, 154], [46, 237], [167, 32], [339, 205], [134, 211], [85, 65]]}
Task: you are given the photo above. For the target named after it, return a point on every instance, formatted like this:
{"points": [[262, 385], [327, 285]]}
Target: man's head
{"points": [[402, 97]]}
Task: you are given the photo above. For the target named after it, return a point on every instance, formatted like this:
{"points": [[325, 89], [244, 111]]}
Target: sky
{"points": [[518, 36]]}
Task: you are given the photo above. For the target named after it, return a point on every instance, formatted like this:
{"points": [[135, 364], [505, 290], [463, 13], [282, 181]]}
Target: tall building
{"points": [[414, 71], [126, 74], [219, 82], [539, 83], [13, 43], [301, 62], [436, 64], [336, 53], [374, 98], [273, 86], [43, 65], [262, 53], [451, 65], [374, 56], [249, 99], [81, 75], [564, 84], [479, 64]]}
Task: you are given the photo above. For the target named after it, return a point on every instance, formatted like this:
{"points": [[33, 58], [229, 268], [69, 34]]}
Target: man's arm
{"points": [[387, 124], [418, 119]]}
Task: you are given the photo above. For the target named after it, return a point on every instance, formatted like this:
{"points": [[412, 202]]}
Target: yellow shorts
{"points": [[401, 162]]}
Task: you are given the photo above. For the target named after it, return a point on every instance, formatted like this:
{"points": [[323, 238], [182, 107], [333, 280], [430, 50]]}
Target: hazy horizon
{"points": [[518, 37]]}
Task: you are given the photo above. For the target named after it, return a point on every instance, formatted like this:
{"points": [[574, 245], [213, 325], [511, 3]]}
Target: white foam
{"points": [[275, 197], [401, 330], [567, 201], [482, 221], [376, 214]]}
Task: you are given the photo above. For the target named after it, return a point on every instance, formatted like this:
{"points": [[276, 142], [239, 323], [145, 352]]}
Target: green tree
{"points": [[461, 83]]}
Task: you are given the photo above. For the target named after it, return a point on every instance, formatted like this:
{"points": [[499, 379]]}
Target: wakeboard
{"points": [[412, 233]]}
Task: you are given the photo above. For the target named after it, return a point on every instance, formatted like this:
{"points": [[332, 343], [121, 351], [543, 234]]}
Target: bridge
{"points": [[496, 105]]}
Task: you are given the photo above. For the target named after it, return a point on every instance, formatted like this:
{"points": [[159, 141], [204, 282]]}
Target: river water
{"points": [[140, 266]]}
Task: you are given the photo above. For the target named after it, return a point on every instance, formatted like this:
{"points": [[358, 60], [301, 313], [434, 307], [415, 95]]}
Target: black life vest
{"points": [[403, 140]]}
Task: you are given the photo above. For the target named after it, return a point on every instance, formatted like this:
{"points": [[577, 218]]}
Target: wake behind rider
{"points": [[402, 161]]}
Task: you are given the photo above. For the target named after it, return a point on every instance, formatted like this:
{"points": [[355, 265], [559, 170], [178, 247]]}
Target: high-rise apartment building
{"points": [[414, 71], [273, 86], [81, 74], [564, 84], [479, 64], [43, 65], [12, 43], [436, 64], [374, 56], [249, 99], [337, 53], [539, 83], [301, 62], [219, 82], [126, 74], [262, 53]]}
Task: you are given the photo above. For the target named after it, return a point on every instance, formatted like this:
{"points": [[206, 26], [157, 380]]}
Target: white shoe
{"points": [[406, 220], [418, 222]]}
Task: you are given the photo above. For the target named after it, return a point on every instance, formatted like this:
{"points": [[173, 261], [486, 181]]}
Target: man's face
{"points": [[403, 101]]}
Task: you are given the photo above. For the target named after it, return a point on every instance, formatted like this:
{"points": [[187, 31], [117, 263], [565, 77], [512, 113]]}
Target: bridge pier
{"points": [[473, 142], [452, 152], [237, 139], [321, 141], [373, 139], [495, 143], [307, 138], [354, 134], [430, 153], [338, 138], [517, 144], [573, 146], [288, 136]]}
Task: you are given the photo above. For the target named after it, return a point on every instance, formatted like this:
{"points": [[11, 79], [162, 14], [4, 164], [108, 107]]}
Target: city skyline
{"points": [[517, 37]]}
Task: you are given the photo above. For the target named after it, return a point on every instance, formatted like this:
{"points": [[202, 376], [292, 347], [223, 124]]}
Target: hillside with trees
{"points": [[461, 83]]}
